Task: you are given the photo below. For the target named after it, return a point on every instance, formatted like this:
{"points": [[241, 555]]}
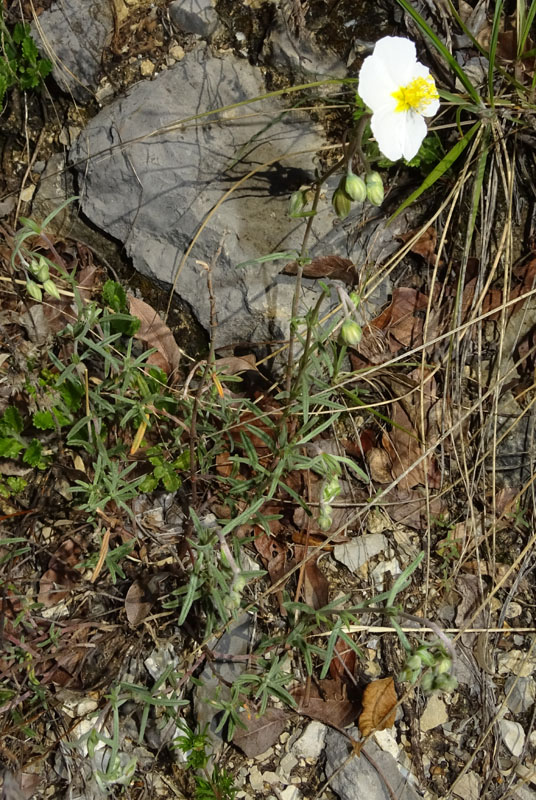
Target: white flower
{"points": [[401, 92]]}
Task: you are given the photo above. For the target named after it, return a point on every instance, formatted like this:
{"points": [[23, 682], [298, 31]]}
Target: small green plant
{"points": [[13, 443], [211, 783], [20, 62]]}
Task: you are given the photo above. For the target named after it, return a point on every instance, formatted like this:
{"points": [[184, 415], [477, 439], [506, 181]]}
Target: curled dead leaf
{"points": [[155, 333], [335, 267], [379, 706]]}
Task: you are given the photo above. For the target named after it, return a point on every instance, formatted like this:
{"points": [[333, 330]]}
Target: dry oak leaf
{"points": [[425, 245], [335, 267], [379, 706], [155, 333], [400, 321]]}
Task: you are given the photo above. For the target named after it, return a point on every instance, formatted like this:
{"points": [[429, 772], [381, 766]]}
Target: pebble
{"points": [[523, 694], [290, 793], [147, 67], [286, 765], [176, 52], [513, 736], [468, 787], [377, 574], [513, 610], [387, 742], [434, 714], [256, 780], [311, 742], [360, 550]]}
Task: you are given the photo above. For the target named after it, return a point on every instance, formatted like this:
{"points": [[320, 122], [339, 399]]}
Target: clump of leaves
{"points": [[214, 784], [20, 63], [12, 443]]}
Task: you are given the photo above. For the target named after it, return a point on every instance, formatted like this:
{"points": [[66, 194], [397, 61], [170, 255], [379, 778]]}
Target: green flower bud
{"points": [[355, 188], [34, 290], [414, 662], [375, 192], [427, 658], [351, 332], [355, 298], [442, 665], [50, 288], [325, 520], [445, 683], [298, 201], [42, 273], [341, 202], [427, 682]]}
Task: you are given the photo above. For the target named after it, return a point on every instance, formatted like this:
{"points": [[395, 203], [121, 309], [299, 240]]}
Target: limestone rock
{"points": [[73, 34], [195, 16]]}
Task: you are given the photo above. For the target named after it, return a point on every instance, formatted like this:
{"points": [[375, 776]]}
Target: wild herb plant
{"points": [[20, 62]]}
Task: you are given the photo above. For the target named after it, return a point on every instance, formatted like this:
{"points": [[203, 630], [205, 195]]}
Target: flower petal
{"points": [[387, 127], [375, 84], [398, 57], [413, 132]]}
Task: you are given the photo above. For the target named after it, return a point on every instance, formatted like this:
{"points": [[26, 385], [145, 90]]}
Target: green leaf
{"points": [[29, 50], [34, 454], [114, 296], [10, 448], [11, 421], [44, 420]]}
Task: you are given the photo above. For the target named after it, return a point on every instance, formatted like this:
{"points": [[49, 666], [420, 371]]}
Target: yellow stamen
{"points": [[417, 95]]}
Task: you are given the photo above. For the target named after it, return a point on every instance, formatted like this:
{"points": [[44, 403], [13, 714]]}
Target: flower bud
{"points": [[355, 298], [427, 658], [445, 683], [427, 682], [298, 201], [414, 662], [341, 203], [42, 273], [442, 665], [375, 192], [34, 290], [351, 332], [355, 188], [325, 519], [50, 288]]}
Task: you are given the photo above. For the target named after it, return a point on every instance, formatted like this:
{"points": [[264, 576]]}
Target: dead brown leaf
{"points": [[400, 321], [260, 733], [411, 507], [315, 585], [328, 702], [138, 602], [406, 441], [334, 267], [343, 662], [274, 556], [379, 706], [425, 245], [155, 333], [60, 576]]}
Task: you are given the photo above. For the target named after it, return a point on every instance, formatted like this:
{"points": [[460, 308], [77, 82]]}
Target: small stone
{"points": [[271, 777], [387, 742], [513, 610], [176, 52], [195, 16], [522, 696], [287, 764], [256, 780], [392, 566], [468, 787], [311, 742], [434, 714], [360, 550], [513, 736], [523, 793], [147, 67], [290, 793]]}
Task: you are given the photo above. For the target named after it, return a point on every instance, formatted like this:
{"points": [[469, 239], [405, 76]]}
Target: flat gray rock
{"points": [[150, 182], [73, 35], [195, 16], [359, 778]]}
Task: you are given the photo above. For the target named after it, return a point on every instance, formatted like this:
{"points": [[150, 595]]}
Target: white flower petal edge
{"points": [[401, 92]]}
